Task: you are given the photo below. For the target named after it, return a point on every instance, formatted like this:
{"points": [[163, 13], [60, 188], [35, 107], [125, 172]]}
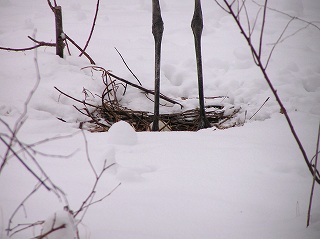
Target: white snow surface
{"points": [[122, 133], [243, 182]]}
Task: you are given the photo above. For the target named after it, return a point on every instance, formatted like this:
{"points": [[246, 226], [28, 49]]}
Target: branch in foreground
{"points": [[9, 229], [314, 178], [259, 63], [89, 200], [311, 23], [49, 232]]}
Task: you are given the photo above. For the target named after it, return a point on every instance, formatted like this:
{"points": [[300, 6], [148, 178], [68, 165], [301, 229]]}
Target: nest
{"points": [[111, 111], [103, 117]]}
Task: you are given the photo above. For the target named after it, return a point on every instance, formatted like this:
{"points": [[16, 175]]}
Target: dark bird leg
{"points": [[197, 27], [157, 31]]}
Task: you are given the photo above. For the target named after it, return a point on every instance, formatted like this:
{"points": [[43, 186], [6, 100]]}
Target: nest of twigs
{"points": [[111, 111], [103, 117]]}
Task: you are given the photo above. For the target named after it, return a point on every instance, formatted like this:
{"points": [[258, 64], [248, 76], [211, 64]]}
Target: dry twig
{"points": [[92, 28]]}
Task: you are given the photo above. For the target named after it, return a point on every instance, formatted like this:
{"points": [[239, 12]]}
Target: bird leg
{"points": [[197, 27], [157, 31]]}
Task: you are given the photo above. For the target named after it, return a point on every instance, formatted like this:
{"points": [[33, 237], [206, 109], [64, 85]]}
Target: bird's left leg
{"points": [[157, 31]]}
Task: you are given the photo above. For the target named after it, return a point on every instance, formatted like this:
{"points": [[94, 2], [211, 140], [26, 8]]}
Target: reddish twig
{"points": [[314, 178], [39, 44], [79, 48], [259, 63], [92, 28], [49, 232], [25, 226]]}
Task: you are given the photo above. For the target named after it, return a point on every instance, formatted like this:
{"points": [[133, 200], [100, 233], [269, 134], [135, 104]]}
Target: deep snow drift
{"points": [[243, 182]]}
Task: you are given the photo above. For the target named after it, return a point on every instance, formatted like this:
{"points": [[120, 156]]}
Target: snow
{"points": [[122, 133], [243, 182]]}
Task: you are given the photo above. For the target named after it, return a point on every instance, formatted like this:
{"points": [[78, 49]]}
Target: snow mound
{"points": [[122, 133], [59, 219]]}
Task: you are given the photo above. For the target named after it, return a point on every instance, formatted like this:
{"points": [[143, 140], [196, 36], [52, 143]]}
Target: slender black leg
{"points": [[157, 31], [197, 26]]}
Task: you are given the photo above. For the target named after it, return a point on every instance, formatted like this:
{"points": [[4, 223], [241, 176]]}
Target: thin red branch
{"points": [[314, 178], [39, 44], [92, 28], [79, 48], [49, 232]]}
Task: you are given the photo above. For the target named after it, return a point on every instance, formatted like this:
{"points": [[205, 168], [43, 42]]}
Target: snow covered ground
{"points": [[243, 182]]}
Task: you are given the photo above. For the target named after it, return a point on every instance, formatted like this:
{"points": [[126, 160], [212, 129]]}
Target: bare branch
{"points": [[92, 28], [87, 153], [248, 20], [83, 102], [255, 22], [259, 108], [128, 67], [276, 43], [104, 197], [294, 33], [311, 23], [50, 5], [90, 196], [240, 8], [262, 27], [79, 48], [222, 7], [25, 165], [108, 73], [28, 48], [42, 43], [21, 205], [274, 91], [25, 226], [314, 178], [49, 232]]}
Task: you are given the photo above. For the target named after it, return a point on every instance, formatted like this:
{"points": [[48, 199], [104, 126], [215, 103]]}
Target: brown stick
{"points": [[83, 102], [59, 31], [144, 89], [105, 72], [125, 63]]}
